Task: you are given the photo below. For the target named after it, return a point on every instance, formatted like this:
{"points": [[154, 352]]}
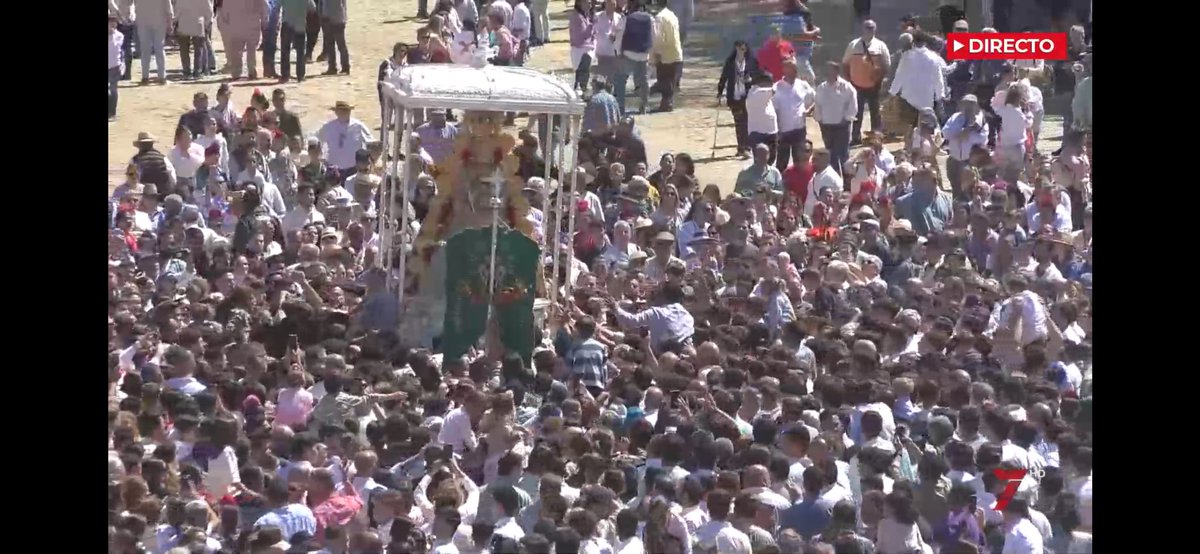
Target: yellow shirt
{"points": [[666, 37]]}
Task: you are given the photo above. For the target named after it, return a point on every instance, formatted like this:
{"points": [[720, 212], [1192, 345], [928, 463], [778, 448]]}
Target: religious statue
{"points": [[466, 181]]}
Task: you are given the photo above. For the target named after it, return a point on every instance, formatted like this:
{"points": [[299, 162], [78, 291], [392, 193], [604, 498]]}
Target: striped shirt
{"points": [[589, 361]]}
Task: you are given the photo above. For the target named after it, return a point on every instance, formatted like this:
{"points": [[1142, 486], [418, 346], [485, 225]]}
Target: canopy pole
{"points": [[384, 210], [402, 140], [573, 132]]}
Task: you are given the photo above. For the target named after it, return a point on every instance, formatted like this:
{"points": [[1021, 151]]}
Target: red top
{"points": [[771, 56], [796, 180], [338, 509]]}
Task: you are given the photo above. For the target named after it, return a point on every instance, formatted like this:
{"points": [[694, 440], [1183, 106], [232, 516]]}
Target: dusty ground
{"points": [[377, 24]]}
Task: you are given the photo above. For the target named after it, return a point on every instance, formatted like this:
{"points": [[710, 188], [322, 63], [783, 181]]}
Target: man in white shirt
{"points": [[456, 429], [963, 131], [507, 506], [794, 101], [718, 534], [343, 136], [824, 175], [1021, 535], [920, 80], [606, 24], [305, 211], [836, 105], [521, 27]]}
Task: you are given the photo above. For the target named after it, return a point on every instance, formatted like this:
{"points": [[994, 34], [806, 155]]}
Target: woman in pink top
{"points": [[294, 403]]}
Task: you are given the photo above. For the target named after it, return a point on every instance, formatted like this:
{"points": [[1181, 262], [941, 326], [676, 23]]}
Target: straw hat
{"points": [[342, 105], [144, 138]]}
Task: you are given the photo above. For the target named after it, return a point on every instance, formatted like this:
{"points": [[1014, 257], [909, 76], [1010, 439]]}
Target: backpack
{"points": [[864, 72]]}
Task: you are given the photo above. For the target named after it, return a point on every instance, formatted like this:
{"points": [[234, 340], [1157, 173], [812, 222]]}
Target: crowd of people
{"points": [[852, 352]]}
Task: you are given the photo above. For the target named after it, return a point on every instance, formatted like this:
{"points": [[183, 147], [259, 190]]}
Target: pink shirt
{"points": [[294, 407]]}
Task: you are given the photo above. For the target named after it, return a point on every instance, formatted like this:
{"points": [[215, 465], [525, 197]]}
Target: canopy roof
{"points": [[490, 88]]}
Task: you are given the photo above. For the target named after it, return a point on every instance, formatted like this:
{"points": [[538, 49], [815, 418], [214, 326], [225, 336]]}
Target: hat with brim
{"points": [[342, 105], [638, 256], [664, 236], [901, 227], [144, 138], [704, 241], [642, 223]]}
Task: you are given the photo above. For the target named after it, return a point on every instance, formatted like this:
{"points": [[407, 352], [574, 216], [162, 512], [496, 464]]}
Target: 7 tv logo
{"points": [[1013, 477]]}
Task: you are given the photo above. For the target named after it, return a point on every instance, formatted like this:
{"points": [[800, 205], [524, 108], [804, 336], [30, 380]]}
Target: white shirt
{"points": [[792, 101], [959, 140], [222, 473], [115, 53], [760, 111], [1024, 538], [343, 140], [187, 163], [632, 546], [521, 22], [223, 158], [507, 527], [919, 78], [837, 102], [1013, 123], [456, 431], [296, 219], [606, 33], [827, 178]]}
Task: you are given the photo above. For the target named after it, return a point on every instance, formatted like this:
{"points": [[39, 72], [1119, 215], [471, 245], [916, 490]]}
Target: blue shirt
{"points": [[589, 361], [601, 112], [290, 519], [808, 518]]}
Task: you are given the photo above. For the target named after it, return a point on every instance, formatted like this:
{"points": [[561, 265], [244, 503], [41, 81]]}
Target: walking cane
{"points": [[716, 127]]}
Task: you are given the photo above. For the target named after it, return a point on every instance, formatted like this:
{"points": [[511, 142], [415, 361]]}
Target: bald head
{"points": [[654, 396], [868, 29], [708, 353]]}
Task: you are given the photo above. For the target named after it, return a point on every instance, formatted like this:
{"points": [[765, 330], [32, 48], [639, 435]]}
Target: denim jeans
{"points": [[191, 49], [837, 141], [583, 72], [867, 98], [541, 21], [152, 41], [270, 42], [771, 140], [625, 68], [335, 37], [114, 77], [290, 39], [790, 143], [130, 34]]}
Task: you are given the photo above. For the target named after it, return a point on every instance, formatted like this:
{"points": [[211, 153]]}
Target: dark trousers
{"points": [[755, 139], [867, 97], [270, 45], [790, 144], [288, 39], [312, 33], [954, 169], [130, 33], [837, 141], [188, 46], [422, 8], [583, 72], [335, 36], [665, 74], [114, 77], [738, 109]]}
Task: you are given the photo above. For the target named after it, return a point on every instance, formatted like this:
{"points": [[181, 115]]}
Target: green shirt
{"points": [[749, 179], [1081, 106], [295, 13]]}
